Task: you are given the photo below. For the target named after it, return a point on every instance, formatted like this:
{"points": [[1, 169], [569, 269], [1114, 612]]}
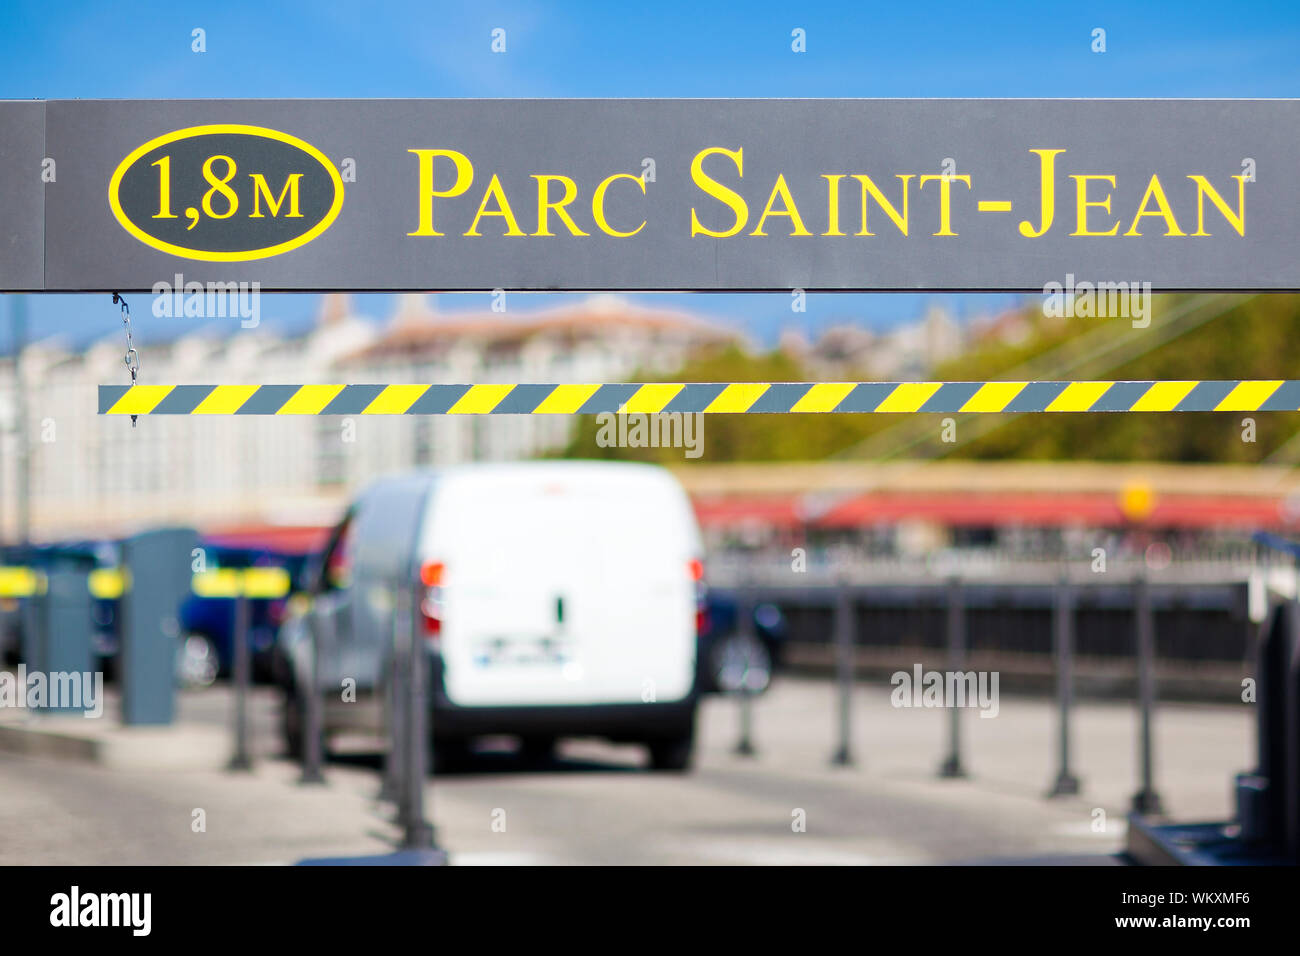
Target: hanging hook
{"points": [[132, 358]]}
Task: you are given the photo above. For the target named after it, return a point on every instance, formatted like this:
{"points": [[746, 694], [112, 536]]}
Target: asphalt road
{"points": [[596, 804]]}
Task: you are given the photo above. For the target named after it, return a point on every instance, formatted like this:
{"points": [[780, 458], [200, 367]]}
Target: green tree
{"points": [[1255, 337]]}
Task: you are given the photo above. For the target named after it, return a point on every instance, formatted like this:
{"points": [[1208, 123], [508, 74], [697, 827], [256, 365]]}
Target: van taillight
{"points": [[702, 622], [431, 607], [431, 574], [432, 622], [695, 567]]}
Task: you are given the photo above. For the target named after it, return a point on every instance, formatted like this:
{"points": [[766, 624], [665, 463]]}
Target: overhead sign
{"points": [[480, 195], [22, 196]]}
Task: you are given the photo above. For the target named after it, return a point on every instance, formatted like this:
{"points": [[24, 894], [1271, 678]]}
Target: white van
{"points": [[559, 599]]}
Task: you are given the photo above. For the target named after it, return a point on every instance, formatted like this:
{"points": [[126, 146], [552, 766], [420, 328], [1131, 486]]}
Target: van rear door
{"points": [[565, 584]]}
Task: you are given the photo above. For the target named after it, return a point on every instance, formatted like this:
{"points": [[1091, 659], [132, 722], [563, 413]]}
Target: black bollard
{"points": [[844, 640], [242, 759], [310, 702], [417, 831], [745, 695], [952, 766], [1066, 783], [1146, 801], [1289, 732], [393, 788]]}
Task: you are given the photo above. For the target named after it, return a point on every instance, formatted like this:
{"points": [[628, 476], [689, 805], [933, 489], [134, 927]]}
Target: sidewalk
{"points": [[198, 739], [595, 803]]}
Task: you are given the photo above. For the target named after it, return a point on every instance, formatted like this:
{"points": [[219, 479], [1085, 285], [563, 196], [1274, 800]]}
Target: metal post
{"points": [[65, 623], [745, 696], [1146, 800], [392, 788], [161, 578], [418, 832], [35, 611], [844, 640], [952, 765], [309, 700], [24, 463], [1289, 682], [241, 760], [1066, 784]]}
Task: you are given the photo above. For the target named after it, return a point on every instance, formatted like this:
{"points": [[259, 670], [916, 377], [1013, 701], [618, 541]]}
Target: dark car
{"points": [[90, 555], [731, 660], [208, 623]]}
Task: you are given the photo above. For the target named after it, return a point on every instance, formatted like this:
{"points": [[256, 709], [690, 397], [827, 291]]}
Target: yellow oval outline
{"points": [[190, 132]]}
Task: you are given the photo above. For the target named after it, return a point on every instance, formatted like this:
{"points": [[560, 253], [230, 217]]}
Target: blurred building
{"points": [[1016, 509], [906, 352], [95, 475]]}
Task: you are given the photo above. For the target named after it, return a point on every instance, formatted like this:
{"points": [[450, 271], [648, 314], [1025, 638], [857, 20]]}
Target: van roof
{"points": [[565, 468], [556, 466]]}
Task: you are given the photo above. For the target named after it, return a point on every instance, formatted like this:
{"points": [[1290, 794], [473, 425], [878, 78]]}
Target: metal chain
{"points": [[132, 358]]}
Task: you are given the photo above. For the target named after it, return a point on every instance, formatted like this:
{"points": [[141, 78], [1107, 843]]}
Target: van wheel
{"points": [[196, 662], [537, 751], [448, 756], [741, 662], [672, 755]]}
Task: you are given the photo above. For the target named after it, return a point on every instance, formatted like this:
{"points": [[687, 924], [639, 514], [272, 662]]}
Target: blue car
{"points": [[88, 555], [208, 623], [730, 661]]}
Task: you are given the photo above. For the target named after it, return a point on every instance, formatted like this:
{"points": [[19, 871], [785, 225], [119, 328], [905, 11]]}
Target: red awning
{"points": [[286, 539], [993, 510]]}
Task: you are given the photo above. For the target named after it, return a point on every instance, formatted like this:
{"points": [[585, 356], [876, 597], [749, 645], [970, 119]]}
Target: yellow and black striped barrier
{"points": [[712, 398]]}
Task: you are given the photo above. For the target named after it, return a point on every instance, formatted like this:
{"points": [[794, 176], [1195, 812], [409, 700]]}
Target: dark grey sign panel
{"points": [[159, 565], [22, 222], [673, 194]]}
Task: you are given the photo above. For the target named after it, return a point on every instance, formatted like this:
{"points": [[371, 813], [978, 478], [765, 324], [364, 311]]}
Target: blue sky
{"points": [[370, 49]]}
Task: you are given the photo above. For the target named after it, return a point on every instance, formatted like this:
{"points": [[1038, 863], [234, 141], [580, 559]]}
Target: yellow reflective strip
{"points": [[993, 396], [265, 582], [250, 582], [565, 399], [221, 582], [1163, 396], [480, 399], [737, 398], [1078, 396], [224, 400], [19, 582], [395, 400], [310, 400], [107, 584], [909, 396], [140, 399], [649, 399], [823, 397], [1248, 396]]}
